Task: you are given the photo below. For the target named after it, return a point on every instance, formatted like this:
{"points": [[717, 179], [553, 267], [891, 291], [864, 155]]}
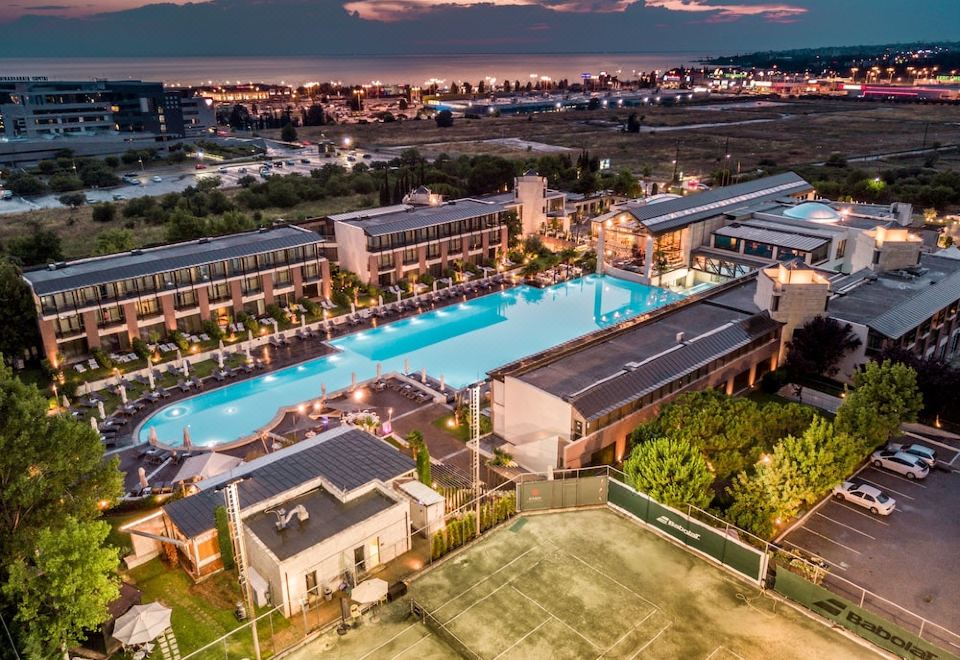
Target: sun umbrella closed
{"points": [[187, 441], [152, 438], [142, 624], [142, 475]]}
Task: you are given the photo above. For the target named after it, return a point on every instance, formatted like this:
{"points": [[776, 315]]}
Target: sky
{"points": [[368, 27]]}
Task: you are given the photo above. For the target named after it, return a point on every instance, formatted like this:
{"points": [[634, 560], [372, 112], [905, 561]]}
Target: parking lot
{"points": [[908, 557]]}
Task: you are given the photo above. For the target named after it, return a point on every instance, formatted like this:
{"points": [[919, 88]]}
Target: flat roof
{"points": [[347, 458], [152, 261], [675, 213], [328, 516], [419, 217], [369, 213], [892, 303], [772, 237]]}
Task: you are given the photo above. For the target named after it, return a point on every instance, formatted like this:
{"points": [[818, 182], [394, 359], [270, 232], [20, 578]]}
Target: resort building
{"points": [[426, 236], [316, 514], [106, 302], [575, 404]]}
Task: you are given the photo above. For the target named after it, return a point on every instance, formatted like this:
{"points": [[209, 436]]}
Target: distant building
{"points": [[108, 301]]}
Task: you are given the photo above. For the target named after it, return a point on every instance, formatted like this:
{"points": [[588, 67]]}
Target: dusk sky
{"points": [[326, 27]]}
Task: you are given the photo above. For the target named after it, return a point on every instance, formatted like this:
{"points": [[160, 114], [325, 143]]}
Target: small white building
{"points": [[427, 507]]}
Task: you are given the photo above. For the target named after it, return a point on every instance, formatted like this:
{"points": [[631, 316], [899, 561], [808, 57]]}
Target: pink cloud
{"points": [[725, 13]]}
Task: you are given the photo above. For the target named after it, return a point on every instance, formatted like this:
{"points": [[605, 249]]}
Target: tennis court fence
{"points": [[435, 626]]}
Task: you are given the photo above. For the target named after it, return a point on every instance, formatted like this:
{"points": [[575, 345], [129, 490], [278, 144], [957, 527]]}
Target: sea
{"points": [[403, 69]]}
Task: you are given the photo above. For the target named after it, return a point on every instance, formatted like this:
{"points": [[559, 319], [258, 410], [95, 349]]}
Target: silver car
{"points": [[910, 466], [923, 452], [866, 496]]}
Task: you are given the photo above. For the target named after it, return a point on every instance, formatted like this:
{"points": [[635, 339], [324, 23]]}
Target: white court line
{"points": [[860, 513], [714, 652], [624, 635], [542, 624], [374, 650], [655, 637], [475, 603], [411, 646], [814, 554], [881, 486], [852, 529], [517, 558], [622, 586], [562, 622], [827, 538]]}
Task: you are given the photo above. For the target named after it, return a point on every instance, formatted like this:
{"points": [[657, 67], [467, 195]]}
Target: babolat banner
{"points": [[691, 533], [864, 623], [562, 493]]}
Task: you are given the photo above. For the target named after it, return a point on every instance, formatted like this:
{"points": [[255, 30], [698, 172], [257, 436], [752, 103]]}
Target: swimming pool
{"points": [[460, 342]]}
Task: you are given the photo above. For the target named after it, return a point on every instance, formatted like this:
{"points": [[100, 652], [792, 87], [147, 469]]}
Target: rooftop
{"points": [[328, 517], [424, 216], [771, 237], [676, 213], [152, 261], [895, 303], [345, 457]]}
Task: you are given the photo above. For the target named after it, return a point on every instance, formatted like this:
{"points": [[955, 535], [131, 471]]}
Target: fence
{"points": [[441, 631]]}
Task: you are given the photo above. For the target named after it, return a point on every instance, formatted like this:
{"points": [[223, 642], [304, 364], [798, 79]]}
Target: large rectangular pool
{"points": [[460, 342]]}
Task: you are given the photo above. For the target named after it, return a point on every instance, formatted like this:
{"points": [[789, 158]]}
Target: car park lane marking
{"points": [[887, 488], [814, 554], [861, 513], [852, 529], [827, 538]]}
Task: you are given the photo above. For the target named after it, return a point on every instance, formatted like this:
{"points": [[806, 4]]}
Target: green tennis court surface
{"points": [[586, 584]]}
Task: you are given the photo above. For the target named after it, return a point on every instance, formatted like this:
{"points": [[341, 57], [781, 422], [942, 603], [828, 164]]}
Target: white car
{"points": [[6, 194], [866, 496], [910, 466], [156, 179], [923, 452]]}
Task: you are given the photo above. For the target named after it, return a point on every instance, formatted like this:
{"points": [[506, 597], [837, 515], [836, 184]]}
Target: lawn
{"points": [[461, 431], [202, 612]]}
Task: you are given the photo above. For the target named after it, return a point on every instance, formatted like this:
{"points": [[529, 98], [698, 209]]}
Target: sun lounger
{"points": [[204, 337], [80, 368], [92, 364]]}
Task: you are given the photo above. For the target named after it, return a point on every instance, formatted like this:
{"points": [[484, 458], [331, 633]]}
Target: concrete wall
{"points": [[530, 191], [352, 251], [530, 414]]}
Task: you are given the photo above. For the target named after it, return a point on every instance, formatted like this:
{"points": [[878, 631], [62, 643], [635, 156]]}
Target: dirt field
{"points": [[585, 584]]}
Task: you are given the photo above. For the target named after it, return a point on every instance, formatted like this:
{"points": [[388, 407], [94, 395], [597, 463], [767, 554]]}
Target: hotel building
{"points": [[108, 301]]}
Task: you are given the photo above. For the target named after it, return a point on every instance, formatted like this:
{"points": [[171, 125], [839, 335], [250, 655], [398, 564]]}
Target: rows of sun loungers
{"points": [[406, 389]]}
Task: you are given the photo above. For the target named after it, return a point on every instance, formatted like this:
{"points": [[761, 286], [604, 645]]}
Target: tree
{"points": [[444, 119], [40, 246], [626, 184], [424, 471], [21, 183], [105, 212], [62, 588], [111, 241], [633, 123], [819, 345], [514, 228], [183, 226], [885, 395], [937, 380], [64, 182], [18, 316], [288, 133], [671, 471]]}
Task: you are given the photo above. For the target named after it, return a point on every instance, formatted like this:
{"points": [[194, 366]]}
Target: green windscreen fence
{"points": [[562, 493], [848, 614], [692, 533]]}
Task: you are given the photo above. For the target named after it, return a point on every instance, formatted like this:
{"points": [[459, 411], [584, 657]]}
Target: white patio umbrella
{"points": [[220, 359], [65, 401], [353, 380], [187, 441], [246, 349], [303, 320], [423, 375], [379, 370], [399, 293], [406, 366], [100, 410], [179, 355], [373, 590], [249, 335], [123, 394], [380, 300], [443, 384], [142, 475], [151, 380], [152, 437], [434, 286], [353, 308], [93, 423], [220, 346], [186, 369], [142, 624], [323, 390], [276, 326]]}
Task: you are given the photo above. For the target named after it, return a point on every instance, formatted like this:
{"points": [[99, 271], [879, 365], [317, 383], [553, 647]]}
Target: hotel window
{"points": [[186, 299], [726, 243], [251, 285], [433, 251], [218, 292], [456, 245], [149, 307], [410, 256], [841, 248], [756, 249], [820, 254], [386, 260], [110, 315], [282, 278], [476, 242], [69, 325]]}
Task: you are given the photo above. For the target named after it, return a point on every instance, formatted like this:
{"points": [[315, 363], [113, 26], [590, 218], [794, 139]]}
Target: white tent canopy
{"points": [[369, 591], [141, 624], [206, 465]]}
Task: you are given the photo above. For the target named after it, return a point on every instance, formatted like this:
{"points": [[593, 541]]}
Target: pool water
{"points": [[460, 342]]}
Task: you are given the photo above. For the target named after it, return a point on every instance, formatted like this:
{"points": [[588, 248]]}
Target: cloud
{"points": [[396, 10], [725, 13], [47, 7]]}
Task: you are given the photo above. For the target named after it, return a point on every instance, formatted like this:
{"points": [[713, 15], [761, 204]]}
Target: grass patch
{"points": [[461, 431]]}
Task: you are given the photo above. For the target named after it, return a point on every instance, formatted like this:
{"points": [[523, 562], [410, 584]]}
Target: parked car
{"points": [[222, 170], [242, 170], [6, 194], [305, 161], [156, 179], [910, 466], [367, 156], [866, 496], [291, 162], [925, 453], [119, 197], [200, 166]]}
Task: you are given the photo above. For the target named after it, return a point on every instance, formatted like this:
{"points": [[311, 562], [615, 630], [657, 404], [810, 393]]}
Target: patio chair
{"points": [[80, 368]]}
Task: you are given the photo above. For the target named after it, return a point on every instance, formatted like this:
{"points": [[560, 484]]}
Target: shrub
{"points": [[102, 358], [180, 340], [212, 328], [140, 348], [223, 537], [72, 199], [104, 212]]}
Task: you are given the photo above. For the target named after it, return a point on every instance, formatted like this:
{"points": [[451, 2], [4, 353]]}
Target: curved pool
{"points": [[461, 342]]}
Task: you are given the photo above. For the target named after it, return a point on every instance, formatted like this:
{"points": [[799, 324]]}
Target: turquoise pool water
{"points": [[461, 342]]}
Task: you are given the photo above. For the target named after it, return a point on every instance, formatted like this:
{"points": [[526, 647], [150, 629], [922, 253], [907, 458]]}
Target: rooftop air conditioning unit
{"points": [[284, 517]]}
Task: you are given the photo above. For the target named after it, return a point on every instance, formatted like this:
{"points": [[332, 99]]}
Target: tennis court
{"points": [[585, 584]]}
